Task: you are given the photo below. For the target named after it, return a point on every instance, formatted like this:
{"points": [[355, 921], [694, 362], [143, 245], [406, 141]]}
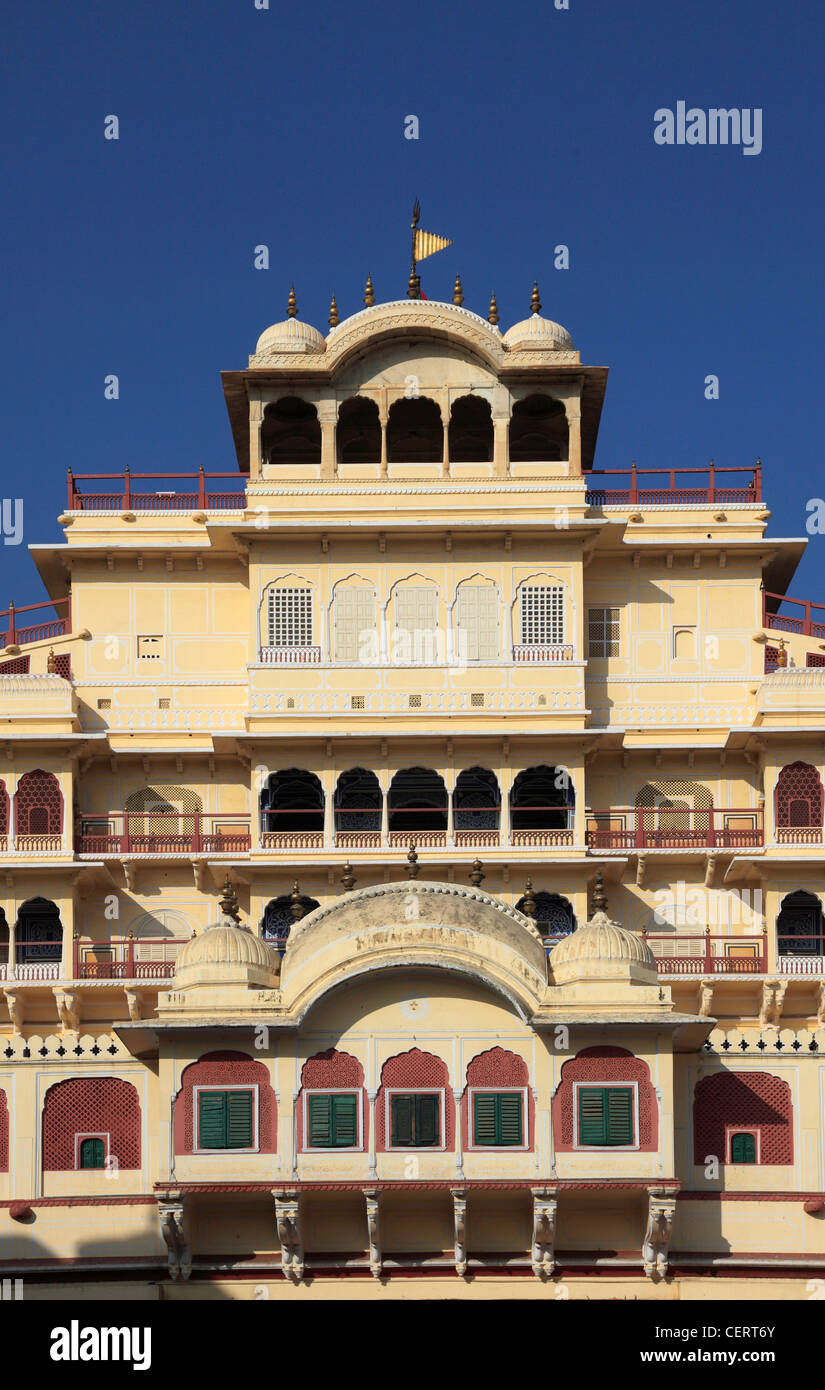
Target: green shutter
{"points": [[497, 1118], [320, 1121], [509, 1126], [92, 1153], [605, 1115], [401, 1109], [743, 1148], [591, 1115], [426, 1120], [619, 1115], [211, 1119], [345, 1121], [484, 1119], [239, 1120]]}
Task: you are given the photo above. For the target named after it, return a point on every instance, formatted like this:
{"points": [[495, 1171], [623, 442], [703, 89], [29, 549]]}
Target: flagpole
{"points": [[413, 289]]}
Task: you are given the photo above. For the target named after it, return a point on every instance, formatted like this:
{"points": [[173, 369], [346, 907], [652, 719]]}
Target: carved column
{"points": [[501, 429], [11, 968], [459, 1138], [327, 416], [382, 416], [287, 1218], [545, 1206], [373, 1200], [450, 815], [371, 1097], [170, 1211], [256, 414], [459, 1197], [660, 1213], [574, 448]]}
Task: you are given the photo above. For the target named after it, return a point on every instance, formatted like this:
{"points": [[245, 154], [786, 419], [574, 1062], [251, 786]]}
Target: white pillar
{"points": [[371, 1097], [459, 1143]]}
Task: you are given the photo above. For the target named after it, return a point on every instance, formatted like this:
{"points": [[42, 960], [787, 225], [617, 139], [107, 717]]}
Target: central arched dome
{"points": [[225, 953], [601, 949], [537, 332]]}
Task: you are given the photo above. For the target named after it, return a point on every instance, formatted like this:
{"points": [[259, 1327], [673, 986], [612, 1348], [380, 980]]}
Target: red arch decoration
{"points": [[4, 1132], [38, 804], [4, 809], [93, 1105], [750, 1099], [498, 1069], [414, 1070], [605, 1066], [798, 796], [225, 1069], [332, 1071]]}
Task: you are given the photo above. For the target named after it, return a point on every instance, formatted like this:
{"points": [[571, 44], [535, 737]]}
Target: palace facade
{"points": [[412, 852]]}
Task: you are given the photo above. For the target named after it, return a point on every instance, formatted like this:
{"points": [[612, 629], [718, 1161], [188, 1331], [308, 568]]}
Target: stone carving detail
{"points": [[545, 1206], [773, 997], [289, 1234], [170, 1211], [460, 1223], [660, 1213], [68, 1008], [373, 1200]]}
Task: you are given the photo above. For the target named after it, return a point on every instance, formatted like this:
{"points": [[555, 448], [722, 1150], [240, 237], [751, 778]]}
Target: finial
{"points": [[333, 313], [296, 903], [51, 662], [781, 656], [476, 875], [369, 296], [414, 286], [412, 862], [348, 878], [228, 902], [528, 902], [492, 317], [598, 902], [458, 293], [535, 302], [291, 304]]}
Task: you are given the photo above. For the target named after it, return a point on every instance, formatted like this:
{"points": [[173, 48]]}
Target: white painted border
{"points": [[107, 1146], [197, 1151], [472, 1146], [756, 1131], [358, 1092], [414, 1091], [609, 1085]]}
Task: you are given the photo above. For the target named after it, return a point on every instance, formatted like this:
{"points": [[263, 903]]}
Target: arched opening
{"points": [[291, 432], [672, 814], [39, 937], [476, 807], [541, 803], [799, 926], [471, 431], [4, 939], [162, 818], [414, 431], [357, 807], [417, 807], [292, 808], [798, 803], [280, 917], [538, 431], [38, 809], [554, 915], [358, 435]]}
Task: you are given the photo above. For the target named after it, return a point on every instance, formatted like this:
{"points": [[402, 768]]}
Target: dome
{"points": [[225, 952], [290, 336], [601, 949], [537, 332]]}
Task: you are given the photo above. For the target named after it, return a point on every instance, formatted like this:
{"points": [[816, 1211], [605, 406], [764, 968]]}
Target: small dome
{"points": [[290, 336], [601, 948], [228, 951], [537, 332]]}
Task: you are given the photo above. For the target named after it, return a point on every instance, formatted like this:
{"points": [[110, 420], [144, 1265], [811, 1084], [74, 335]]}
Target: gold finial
{"points": [[528, 902], [51, 662], [414, 286], [476, 875], [292, 304], [369, 296], [535, 302], [333, 313], [228, 901], [781, 656], [412, 862], [598, 903], [348, 878], [492, 317], [296, 903], [458, 293]]}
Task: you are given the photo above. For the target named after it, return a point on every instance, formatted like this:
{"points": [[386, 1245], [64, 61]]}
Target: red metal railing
{"points": [[35, 632], [163, 832], [713, 955], [127, 961], [125, 499], [709, 491], [805, 625], [643, 827]]}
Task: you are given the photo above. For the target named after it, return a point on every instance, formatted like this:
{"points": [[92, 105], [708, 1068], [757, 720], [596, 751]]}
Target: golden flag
{"points": [[427, 243]]}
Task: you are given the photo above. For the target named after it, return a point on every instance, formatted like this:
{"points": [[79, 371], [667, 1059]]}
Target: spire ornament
{"points": [[598, 902], [458, 292], [292, 304], [476, 874], [369, 294], [348, 878], [413, 867], [296, 903], [333, 313], [528, 902], [492, 317], [51, 662], [535, 302], [228, 902]]}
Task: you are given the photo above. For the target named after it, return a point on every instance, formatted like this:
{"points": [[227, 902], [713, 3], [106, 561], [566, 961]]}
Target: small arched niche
{"points": [[538, 431], [414, 431], [471, 431], [358, 435], [291, 432]]}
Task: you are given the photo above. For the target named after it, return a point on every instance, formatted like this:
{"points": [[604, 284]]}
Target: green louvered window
{"points": [[225, 1120], [414, 1121], [743, 1148], [333, 1121], [497, 1118], [605, 1115], [92, 1153]]}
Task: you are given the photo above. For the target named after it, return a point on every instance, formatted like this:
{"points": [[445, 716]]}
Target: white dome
{"points": [[225, 951], [537, 332], [290, 336]]}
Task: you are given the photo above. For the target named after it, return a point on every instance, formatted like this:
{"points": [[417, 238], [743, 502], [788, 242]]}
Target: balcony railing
{"points": [[709, 954], [634, 827], [709, 491], [802, 622], [798, 834], [290, 656], [538, 653], [147, 958], [163, 832], [35, 632], [125, 499]]}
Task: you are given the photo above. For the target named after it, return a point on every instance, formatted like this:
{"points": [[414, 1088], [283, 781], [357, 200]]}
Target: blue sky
{"points": [[285, 127]]}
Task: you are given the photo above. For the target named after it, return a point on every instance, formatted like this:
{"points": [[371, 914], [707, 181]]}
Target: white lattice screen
{"points": [[290, 617], [542, 614]]}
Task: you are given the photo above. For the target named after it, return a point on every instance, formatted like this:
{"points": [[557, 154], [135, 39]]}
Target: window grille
{"points": [[290, 617], [542, 615], [602, 632]]}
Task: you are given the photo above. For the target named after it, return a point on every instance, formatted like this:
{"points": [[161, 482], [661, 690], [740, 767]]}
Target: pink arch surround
{"points": [[332, 1071], [91, 1105], [225, 1069], [414, 1071], [609, 1066], [745, 1100], [498, 1069], [798, 797]]}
